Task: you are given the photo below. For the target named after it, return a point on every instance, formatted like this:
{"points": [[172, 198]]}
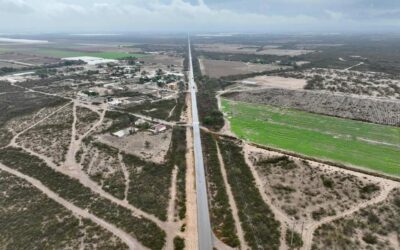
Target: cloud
{"points": [[14, 6], [194, 15], [334, 14]]}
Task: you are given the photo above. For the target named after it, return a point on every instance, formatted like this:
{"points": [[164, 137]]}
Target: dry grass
{"points": [[101, 163], [50, 137], [276, 82], [309, 192], [142, 144], [85, 119], [251, 49], [374, 227], [219, 68], [33, 219]]}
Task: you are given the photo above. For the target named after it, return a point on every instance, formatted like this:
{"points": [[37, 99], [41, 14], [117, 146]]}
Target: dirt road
{"points": [[232, 203], [126, 238]]}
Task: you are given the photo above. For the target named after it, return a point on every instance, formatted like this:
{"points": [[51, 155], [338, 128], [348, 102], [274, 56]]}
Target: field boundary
{"points": [[310, 158]]}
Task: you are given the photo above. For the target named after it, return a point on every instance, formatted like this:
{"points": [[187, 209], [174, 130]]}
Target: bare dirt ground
{"points": [[191, 206], [126, 176], [171, 208], [149, 146], [165, 62], [219, 68], [370, 84], [27, 58], [11, 64], [163, 59], [297, 192], [276, 82], [251, 49]]}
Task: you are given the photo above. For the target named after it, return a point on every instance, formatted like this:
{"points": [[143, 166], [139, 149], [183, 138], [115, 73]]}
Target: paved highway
{"points": [[203, 217]]}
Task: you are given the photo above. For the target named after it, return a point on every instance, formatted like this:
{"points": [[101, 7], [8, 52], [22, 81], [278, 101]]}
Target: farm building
{"points": [[158, 128], [125, 132]]}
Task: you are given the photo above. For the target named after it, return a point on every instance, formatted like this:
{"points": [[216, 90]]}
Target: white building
{"points": [[125, 132]]}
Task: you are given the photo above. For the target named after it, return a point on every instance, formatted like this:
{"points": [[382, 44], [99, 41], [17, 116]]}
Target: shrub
{"points": [[369, 188], [144, 230], [369, 238], [179, 243], [257, 220], [221, 214], [293, 239], [327, 182]]}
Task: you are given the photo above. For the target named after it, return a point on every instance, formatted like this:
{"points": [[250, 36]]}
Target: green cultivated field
{"points": [[74, 53], [353, 142], [3, 50]]}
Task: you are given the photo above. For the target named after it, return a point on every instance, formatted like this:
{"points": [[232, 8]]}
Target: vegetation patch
{"points": [[102, 165], [373, 227], [379, 111], [61, 53], [177, 157], [85, 119], [293, 239], [258, 221], [5, 137], [346, 141], [221, 214], [118, 121], [51, 137], [149, 185], [20, 104], [209, 113], [30, 218], [308, 191], [147, 232], [158, 109], [179, 243]]}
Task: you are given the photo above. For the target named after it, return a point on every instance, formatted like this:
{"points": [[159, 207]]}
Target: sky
{"points": [[249, 16]]}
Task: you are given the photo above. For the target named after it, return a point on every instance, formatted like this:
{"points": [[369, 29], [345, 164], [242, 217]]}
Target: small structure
{"points": [[125, 132], [115, 102], [140, 122], [91, 60], [158, 128]]}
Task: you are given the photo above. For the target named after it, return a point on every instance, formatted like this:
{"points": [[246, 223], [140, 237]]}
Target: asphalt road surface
{"points": [[203, 217]]}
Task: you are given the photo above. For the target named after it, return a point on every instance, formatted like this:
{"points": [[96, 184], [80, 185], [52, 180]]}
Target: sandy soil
{"points": [[276, 82], [284, 52], [126, 176], [191, 239], [251, 49], [310, 226], [10, 64], [229, 48], [27, 58], [136, 144], [219, 68], [163, 59]]}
